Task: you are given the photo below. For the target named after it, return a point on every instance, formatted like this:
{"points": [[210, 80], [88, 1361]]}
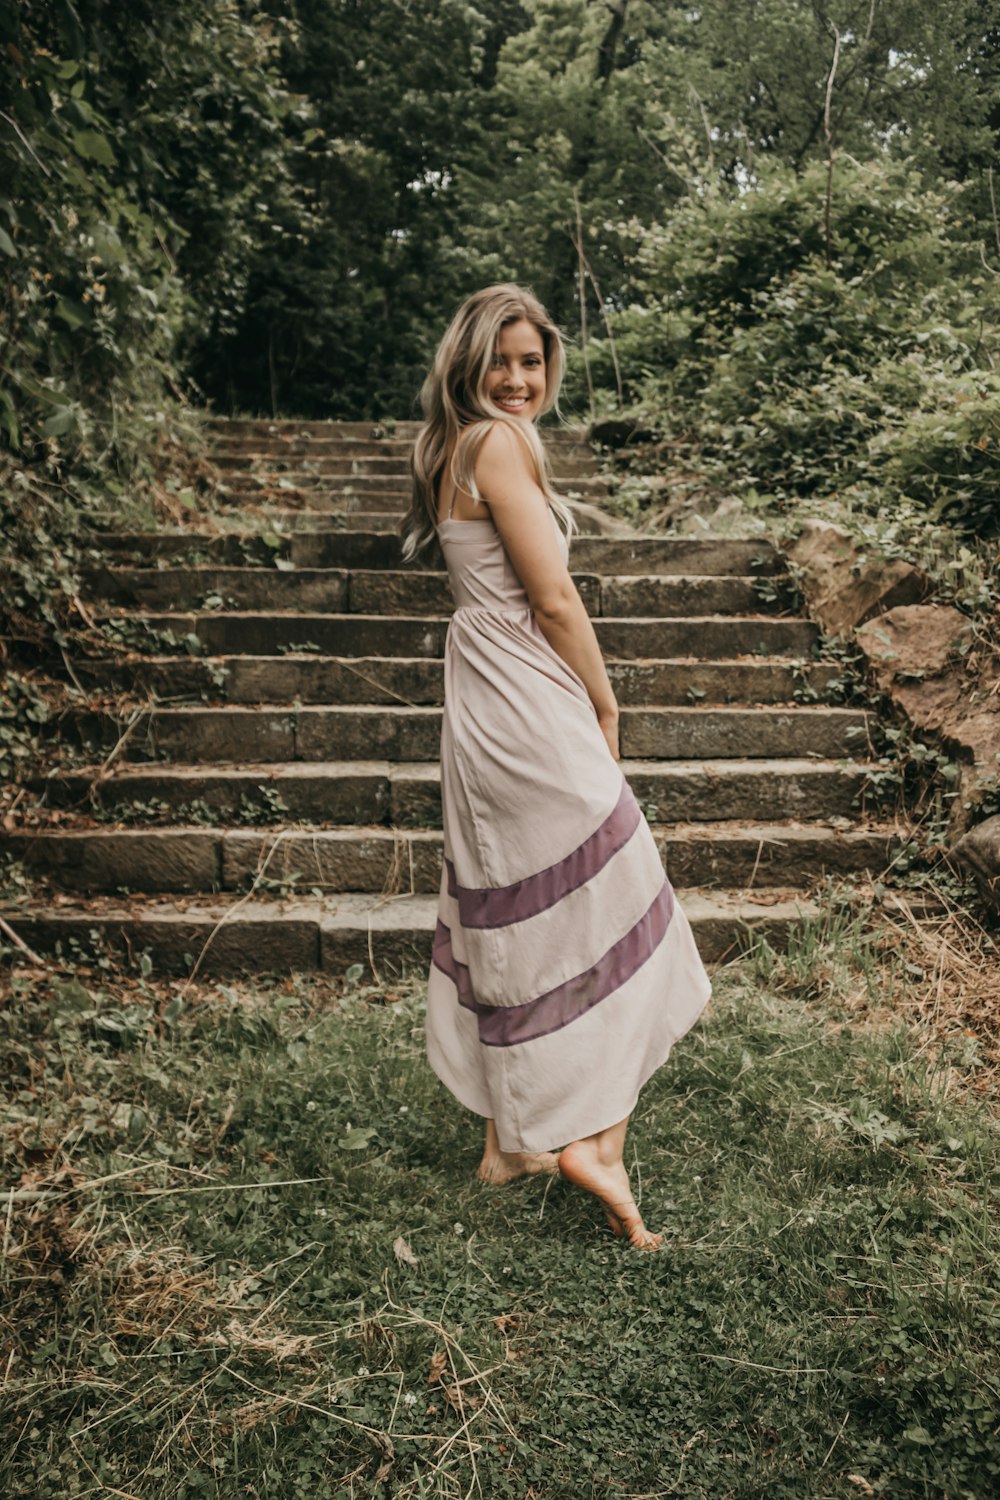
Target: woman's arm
{"points": [[520, 514]]}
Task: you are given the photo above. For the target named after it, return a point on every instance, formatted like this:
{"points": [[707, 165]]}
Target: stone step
{"points": [[312, 590], [192, 860], [377, 429], [347, 498], [378, 492], [348, 547], [565, 465], [349, 518], [170, 549], [350, 515], [392, 934], [617, 556], [373, 429], [383, 591], [303, 446], [420, 680], [408, 795], [343, 497], [358, 732], [257, 634], [245, 522]]}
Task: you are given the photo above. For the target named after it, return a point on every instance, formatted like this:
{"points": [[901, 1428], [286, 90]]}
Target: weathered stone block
{"points": [[331, 680], [978, 853], [710, 636], [842, 585], [415, 797], [678, 596], [355, 859], [922, 657], [362, 733], [105, 860], [751, 733]]}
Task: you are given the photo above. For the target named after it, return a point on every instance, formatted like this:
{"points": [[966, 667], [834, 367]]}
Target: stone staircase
{"points": [[258, 788]]}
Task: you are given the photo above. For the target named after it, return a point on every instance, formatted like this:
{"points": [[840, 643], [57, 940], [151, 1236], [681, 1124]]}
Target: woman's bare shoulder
{"points": [[499, 446]]}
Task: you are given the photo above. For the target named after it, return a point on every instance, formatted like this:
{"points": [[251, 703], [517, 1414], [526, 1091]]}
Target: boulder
{"points": [[922, 657], [844, 586], [916, 654], [978, 854]]}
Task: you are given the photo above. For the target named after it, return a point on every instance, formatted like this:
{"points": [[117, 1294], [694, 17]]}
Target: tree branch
{"points": [[708, 129], [12, 937], [829, 142], [688, 184], [583, 300], [607, 321], [25, 142], [609, 45]]}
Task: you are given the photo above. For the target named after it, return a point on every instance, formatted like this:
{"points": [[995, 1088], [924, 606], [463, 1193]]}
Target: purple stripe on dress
{"points": [[444, 959], [499, 906], [510, 1025]]}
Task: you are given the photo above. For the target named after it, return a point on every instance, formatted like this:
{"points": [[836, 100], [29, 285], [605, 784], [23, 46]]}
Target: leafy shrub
{"points": [[804, 376], [135, 142]]}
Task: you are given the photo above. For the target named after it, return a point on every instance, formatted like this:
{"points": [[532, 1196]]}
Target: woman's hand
{"points": [[609, 728]]}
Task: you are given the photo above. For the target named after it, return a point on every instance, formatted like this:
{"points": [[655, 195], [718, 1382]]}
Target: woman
{"points": [[563, 970]]}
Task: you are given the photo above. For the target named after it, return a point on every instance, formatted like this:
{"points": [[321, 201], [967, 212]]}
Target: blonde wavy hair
{"points": [[458, 412]]}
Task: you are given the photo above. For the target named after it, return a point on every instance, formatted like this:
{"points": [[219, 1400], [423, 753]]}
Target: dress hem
{"points": [[605, 1119]]}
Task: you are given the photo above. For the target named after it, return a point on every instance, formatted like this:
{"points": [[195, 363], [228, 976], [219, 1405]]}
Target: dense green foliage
{"points": [[287, 200], [127, 209], [354, 269], [137, 142], [801, 368], [454, 144]]}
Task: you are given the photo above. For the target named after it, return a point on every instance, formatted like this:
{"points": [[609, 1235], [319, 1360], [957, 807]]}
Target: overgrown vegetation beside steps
{"points": [[245, 1253]]}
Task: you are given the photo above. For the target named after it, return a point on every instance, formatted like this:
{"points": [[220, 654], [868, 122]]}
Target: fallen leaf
{"points": [[459, 1403], [439, 1363], [403, 1253]]}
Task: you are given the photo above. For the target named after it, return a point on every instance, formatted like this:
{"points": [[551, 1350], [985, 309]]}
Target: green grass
{"points": [[210, 1302]]}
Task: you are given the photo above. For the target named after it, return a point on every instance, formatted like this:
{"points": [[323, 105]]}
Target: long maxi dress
{"points": [[563, 968]]}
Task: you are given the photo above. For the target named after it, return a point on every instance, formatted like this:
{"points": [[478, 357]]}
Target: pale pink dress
{"points": [[563, 967]]}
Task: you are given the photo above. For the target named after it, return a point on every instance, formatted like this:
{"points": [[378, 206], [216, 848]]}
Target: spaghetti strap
{"points": [[454, 492]]}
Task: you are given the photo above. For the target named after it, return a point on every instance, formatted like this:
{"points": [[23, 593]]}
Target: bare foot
{"points": [[581, 1164], [499, 1166]]}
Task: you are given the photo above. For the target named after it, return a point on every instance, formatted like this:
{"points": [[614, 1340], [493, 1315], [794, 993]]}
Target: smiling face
{"points": [[516, 383]]}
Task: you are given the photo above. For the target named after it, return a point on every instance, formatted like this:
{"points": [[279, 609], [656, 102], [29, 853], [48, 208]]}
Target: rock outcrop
{"points": [[978, 854], [924, 657], [843, 585]]}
